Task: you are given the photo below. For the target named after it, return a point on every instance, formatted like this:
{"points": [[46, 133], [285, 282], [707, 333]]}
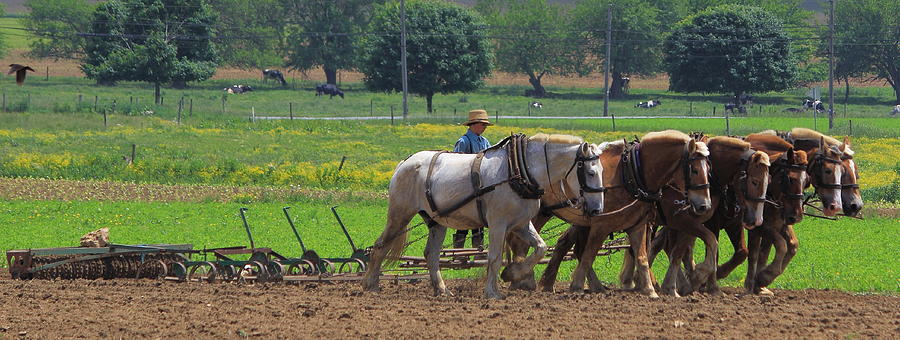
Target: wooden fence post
{"points": [[392, 112], [291, 105], [727, 124], [47, 76], [180, 105], [614, 121], [96, 101], [191, 108]]}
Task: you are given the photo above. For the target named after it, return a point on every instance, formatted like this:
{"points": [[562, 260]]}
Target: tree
{"points": [[120, 29], [56, 25], [635, 38], [867, 41], [250, 41], [532, 38], [321, 33], [447, 50], [730, 49]]}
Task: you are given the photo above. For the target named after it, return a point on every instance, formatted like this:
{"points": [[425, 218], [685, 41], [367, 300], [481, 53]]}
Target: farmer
{"points": [[472, 142]]}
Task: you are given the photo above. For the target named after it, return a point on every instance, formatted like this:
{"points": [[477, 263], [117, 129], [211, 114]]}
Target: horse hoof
{"points": [[716, 292], [763, 291], [670, 292]]}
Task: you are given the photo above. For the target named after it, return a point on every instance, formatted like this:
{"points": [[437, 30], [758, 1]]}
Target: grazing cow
{"points": [[813, 104], [746, 100], [537, 105], [648, 104], [238, 89], [329, 89], [625, 84], [896, 110], [274, 74]]}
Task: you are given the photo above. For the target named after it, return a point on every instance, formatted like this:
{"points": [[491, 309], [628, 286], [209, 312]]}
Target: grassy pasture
{"points": [[61, 94], [15, 39], [848, 255]]}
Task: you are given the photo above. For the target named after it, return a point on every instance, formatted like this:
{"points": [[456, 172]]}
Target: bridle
{"points": [[581, 172], [817, 170], [855, 174], [743, 176], [782, 169]]}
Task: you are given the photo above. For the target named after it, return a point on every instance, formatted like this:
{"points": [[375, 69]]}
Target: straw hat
{"points": [[477, 116]]}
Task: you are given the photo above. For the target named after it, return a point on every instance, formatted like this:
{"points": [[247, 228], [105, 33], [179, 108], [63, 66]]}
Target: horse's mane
{"points": [[673, 136], [804, 133], [556, 139], [729, 142], [667, 135], [770, 142]]}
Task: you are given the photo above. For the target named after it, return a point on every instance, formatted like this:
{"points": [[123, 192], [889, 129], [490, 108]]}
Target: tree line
{"points": [[715, 46]]}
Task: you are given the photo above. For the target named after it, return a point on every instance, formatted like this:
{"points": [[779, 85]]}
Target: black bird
{"points": [[19, 70]]}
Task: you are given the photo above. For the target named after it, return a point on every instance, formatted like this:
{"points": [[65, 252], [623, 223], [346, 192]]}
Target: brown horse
{"points": [[851, 200], [825, 165], [659, 158], [789, 175], [740, 176]]}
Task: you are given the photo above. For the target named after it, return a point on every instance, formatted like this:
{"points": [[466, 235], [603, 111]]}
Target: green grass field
{"points": [[849, 255], [61, 94], [14, 39]]}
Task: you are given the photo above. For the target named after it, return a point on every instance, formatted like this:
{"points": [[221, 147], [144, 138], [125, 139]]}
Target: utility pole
{"points": [[403, 56], [831, 66], [608, 53]]}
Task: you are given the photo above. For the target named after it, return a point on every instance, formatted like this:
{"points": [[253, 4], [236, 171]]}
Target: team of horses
{"points": [[664, 191]]}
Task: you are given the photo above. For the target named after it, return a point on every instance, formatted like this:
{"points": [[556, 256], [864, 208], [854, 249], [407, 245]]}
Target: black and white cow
{"points": [[895, 111], [238, 89], [537, 105], [648, 104], [274, 74], [813, 104], [329, 89]]}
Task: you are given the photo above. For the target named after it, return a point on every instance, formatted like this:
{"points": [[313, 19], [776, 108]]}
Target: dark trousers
{"points": [[459, 238]]}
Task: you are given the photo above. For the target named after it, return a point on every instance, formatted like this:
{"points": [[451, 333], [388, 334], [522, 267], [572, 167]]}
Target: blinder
{"points": [[743, 176], [817, 168]]}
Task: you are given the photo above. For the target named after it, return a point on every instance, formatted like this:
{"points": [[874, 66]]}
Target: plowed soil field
{"points": [[131, 309]]}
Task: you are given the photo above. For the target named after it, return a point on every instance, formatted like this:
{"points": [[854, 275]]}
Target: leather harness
{"points": [[520, 179]]}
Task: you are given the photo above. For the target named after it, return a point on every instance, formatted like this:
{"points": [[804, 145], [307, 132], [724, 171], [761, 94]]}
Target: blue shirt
{"points": [[471, 143]]}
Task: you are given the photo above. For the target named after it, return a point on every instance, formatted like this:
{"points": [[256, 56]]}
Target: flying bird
{"points": [[19, 70]]}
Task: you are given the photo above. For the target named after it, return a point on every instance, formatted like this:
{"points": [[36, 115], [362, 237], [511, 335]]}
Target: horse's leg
{"points": [[736, 235], [520, 272], [519, 249], [675, 255], [637, 236], [761, 261], [774, 269], [586, 259], [497, 234], [792, 246], [626, 275], [706, 270], [753, 255], [564, 243], [436, 234], [392, 239]]}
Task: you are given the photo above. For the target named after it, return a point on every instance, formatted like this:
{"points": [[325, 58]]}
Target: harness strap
{"points": [[479, 191], [428, 181], [476, 184]]}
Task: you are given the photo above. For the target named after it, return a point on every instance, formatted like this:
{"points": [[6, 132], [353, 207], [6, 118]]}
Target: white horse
{"points": [[563, 164]]}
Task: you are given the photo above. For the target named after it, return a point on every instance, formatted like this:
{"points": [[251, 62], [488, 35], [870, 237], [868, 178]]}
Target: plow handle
{"points": [[303, 247], [343, 227], [247, 227]]}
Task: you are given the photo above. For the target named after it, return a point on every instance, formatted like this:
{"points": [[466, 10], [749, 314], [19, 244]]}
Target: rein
{"points": [[633, 177], [580, 159]]}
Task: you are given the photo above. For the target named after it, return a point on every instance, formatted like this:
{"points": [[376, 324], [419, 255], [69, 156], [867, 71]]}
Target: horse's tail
{"points": [[394, 242]]}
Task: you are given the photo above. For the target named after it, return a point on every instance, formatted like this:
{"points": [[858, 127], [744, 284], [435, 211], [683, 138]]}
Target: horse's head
{"points": [[851, 200], [825, 172], [753, 182], [789, 178], [590, 178], [566, 156], [696, 176]]}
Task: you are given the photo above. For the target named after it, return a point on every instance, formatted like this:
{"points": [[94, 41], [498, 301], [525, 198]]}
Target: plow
{"points": [[239, 264]]}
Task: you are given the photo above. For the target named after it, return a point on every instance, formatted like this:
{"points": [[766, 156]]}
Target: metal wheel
{"points": [[179, 271], [203, 271], [152, 270]]}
